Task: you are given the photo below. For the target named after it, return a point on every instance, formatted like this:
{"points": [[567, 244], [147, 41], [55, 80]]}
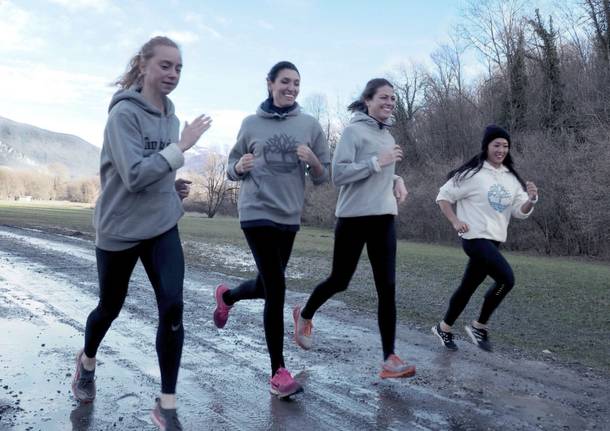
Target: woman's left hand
{"points": [[307, 156], [183, 188], [532, 190], [400, 190]]}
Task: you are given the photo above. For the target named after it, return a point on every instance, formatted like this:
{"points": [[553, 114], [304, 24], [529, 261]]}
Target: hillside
{"points": [[27, 146]]}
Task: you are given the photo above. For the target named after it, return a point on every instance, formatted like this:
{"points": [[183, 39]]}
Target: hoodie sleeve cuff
{"points": [[173, 155], [375, 164]]}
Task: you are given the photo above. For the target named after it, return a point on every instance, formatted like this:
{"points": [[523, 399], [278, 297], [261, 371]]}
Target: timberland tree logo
{"points": [[499, 198], [280, 153]]}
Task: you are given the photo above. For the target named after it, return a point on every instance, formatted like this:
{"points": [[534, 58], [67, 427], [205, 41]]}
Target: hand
{"points": [[532, 190], [387, 156], [460, 227], [245, 164], [305, 154], [183, 188], [192, 132], [400, 190]]}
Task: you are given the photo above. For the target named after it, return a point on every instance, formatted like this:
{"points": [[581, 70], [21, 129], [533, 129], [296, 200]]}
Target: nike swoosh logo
{"points": [[176, 327]]}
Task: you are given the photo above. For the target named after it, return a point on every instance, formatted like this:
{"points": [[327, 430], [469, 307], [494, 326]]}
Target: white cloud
{"points": [[16, 23], [180, 37], [97, 5], [225, 125], [199, 22]]}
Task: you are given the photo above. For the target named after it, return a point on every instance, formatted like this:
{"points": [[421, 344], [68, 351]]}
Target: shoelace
{"points": [[446, 336]]}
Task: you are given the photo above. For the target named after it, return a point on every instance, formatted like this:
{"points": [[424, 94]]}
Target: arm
{"points": [[317, 157], [447, 210], [345, 169], [137, 171], [400, 190], [525, 201], [241, 161]]}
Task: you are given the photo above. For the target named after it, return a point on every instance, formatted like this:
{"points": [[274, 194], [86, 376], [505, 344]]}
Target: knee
{"points": [[171, 312], [337, 283]]}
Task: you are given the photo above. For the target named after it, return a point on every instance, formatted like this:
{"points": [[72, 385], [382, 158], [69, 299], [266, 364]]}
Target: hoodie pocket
{"points": [[285, 193]]}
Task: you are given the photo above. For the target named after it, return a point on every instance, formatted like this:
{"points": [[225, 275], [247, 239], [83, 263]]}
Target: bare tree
{"points": [[215, 183]]}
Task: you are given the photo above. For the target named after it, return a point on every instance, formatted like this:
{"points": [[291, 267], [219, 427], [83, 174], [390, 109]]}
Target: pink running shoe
{"points": [[221, 313], [83, 381], [283, 384], [396, 367], [302, 329]]}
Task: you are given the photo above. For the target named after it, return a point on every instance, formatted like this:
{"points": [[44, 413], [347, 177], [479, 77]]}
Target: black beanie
{"points": [[492, 132]]}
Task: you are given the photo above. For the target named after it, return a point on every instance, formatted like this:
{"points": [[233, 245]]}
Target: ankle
{"points": [[167, 401], [444, 327], [87, 362], [477, 325]]}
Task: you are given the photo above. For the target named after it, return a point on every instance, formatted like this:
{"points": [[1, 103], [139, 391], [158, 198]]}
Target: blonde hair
{"points": [[132, 75]]}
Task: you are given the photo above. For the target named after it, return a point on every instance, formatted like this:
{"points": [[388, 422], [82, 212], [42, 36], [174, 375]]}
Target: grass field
{"points": [[558, 304]]}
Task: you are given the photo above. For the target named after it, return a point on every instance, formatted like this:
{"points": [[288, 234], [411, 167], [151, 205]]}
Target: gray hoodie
{"points": [[275, 188], [364, 188], [138, 165]]}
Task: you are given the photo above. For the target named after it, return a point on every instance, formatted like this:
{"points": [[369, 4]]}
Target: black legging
{"points": [[351, 234], [485, 259], [164, 264], [271, 248]]}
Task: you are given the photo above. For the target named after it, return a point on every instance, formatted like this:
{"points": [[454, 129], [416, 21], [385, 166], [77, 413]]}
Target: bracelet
{"points": [[533, 201]]}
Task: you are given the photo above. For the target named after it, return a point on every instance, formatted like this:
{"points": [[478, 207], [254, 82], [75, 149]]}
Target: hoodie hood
{"points": [[134, 95], [264, 110], [362, 117]]}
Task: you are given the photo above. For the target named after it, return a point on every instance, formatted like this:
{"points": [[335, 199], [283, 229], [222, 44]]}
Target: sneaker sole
{"points": [[409, 372], [474, 339], [435, 332], [284, 395], [156, 421], [75, 379], [295, 316]]}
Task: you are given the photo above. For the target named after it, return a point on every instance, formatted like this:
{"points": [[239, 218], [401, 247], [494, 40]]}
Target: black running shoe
{"points": [[479, 337], [445, 337], [165, 419]]}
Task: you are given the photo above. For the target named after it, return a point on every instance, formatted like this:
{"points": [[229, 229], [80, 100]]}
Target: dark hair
{"points": [[132, 75], [474, 165], [369, 91], [277, 68]]}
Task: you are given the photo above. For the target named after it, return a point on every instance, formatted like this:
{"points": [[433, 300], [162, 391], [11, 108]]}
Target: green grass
{"points": [[558, 304]]}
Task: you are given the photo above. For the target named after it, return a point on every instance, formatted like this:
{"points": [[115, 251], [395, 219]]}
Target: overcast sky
{"points": [[57, 57]]}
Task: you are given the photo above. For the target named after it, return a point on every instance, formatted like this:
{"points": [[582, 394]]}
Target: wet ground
{"points": [[48, 285]]}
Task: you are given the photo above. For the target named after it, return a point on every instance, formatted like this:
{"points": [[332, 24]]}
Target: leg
{"points": [[474, 275], [249, 289], [114, 269], [349, 241], [271, 249], [502, 273], [163, 260], [381, 249]]}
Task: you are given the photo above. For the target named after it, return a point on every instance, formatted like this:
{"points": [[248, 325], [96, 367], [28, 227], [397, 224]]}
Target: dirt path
{"points": [[48, 285]]}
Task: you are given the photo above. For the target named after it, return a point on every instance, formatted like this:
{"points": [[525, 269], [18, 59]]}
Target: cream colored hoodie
{"points": [[486, 201]]}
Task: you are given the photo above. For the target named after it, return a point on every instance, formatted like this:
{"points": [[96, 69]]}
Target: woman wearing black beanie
{"points": [[487, 191]]}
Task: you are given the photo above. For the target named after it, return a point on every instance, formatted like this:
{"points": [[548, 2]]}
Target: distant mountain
{"points": [[194, 160], [26, 146]]}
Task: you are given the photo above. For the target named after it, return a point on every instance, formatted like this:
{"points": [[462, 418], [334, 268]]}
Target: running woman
{"points": [[369, 192], [137, 212], [487, 191], [276, 150]]}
